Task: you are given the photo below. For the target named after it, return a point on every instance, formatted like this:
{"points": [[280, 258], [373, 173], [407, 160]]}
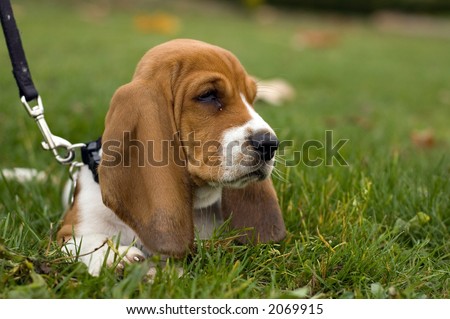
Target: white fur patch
{"points": [[94, 216], [233, 140], [98, 224], [257, 123], [206, 196]]}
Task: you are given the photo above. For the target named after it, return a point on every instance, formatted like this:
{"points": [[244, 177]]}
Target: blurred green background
{"points": [[385, 71], [373, 75], [355, 6]]}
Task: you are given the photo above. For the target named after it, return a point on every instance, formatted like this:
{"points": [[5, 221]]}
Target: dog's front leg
{"points": [[98, 250]]}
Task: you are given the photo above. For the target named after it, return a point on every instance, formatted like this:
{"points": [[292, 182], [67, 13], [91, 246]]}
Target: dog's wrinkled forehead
{"points": [[176, 59]]}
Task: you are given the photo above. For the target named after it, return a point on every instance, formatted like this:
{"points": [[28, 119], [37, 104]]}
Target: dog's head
{"points": [[186, 121], [224, 140]]}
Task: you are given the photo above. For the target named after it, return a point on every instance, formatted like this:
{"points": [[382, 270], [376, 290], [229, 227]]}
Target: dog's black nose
{"points": [[265, 144]]}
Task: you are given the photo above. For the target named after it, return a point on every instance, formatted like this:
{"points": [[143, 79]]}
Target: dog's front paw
{"points": [[131, 254], [105, 256], [128, 255]]}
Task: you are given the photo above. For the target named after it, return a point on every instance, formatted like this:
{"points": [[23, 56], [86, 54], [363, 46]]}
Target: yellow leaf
{"points": [[162, 23]]}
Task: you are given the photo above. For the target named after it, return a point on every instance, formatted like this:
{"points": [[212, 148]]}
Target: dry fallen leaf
{"points": [[423, 138], [94, 12], [161, 23], [316, 39]]}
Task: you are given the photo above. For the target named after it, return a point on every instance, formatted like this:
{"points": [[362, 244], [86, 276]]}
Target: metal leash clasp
{"points": [[51, 142]]}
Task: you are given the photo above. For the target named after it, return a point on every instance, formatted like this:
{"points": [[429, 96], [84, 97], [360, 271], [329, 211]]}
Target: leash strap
{"points": [[19, 63], [63, 150]]}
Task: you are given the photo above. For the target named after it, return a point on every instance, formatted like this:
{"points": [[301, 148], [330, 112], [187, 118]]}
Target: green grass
{"points": [[376, 228]]}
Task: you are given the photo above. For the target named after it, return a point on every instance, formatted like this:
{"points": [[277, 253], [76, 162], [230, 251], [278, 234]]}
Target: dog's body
{"points": [[180, 139]]}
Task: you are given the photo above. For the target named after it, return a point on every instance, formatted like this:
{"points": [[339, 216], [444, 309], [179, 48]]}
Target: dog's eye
{"points": [[208, 97]]}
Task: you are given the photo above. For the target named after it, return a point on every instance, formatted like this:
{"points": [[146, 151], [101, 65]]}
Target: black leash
{"points": [[21, 70], [62, 149]]}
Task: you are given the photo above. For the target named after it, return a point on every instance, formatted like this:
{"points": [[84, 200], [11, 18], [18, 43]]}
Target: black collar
{"points": [[90, 155]]}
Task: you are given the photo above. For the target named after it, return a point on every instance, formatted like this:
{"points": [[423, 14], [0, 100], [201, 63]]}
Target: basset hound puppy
{"points": [[183, 149]]}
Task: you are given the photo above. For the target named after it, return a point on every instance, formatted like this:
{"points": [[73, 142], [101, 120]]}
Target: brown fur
{"points": [[255, 208], [70, 220]]}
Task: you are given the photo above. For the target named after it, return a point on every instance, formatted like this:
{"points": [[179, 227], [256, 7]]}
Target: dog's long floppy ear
{"points": [[141, 175], [255, 207]]}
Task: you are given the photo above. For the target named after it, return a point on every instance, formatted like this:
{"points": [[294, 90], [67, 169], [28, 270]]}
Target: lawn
{"points": [[375, 228]]}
